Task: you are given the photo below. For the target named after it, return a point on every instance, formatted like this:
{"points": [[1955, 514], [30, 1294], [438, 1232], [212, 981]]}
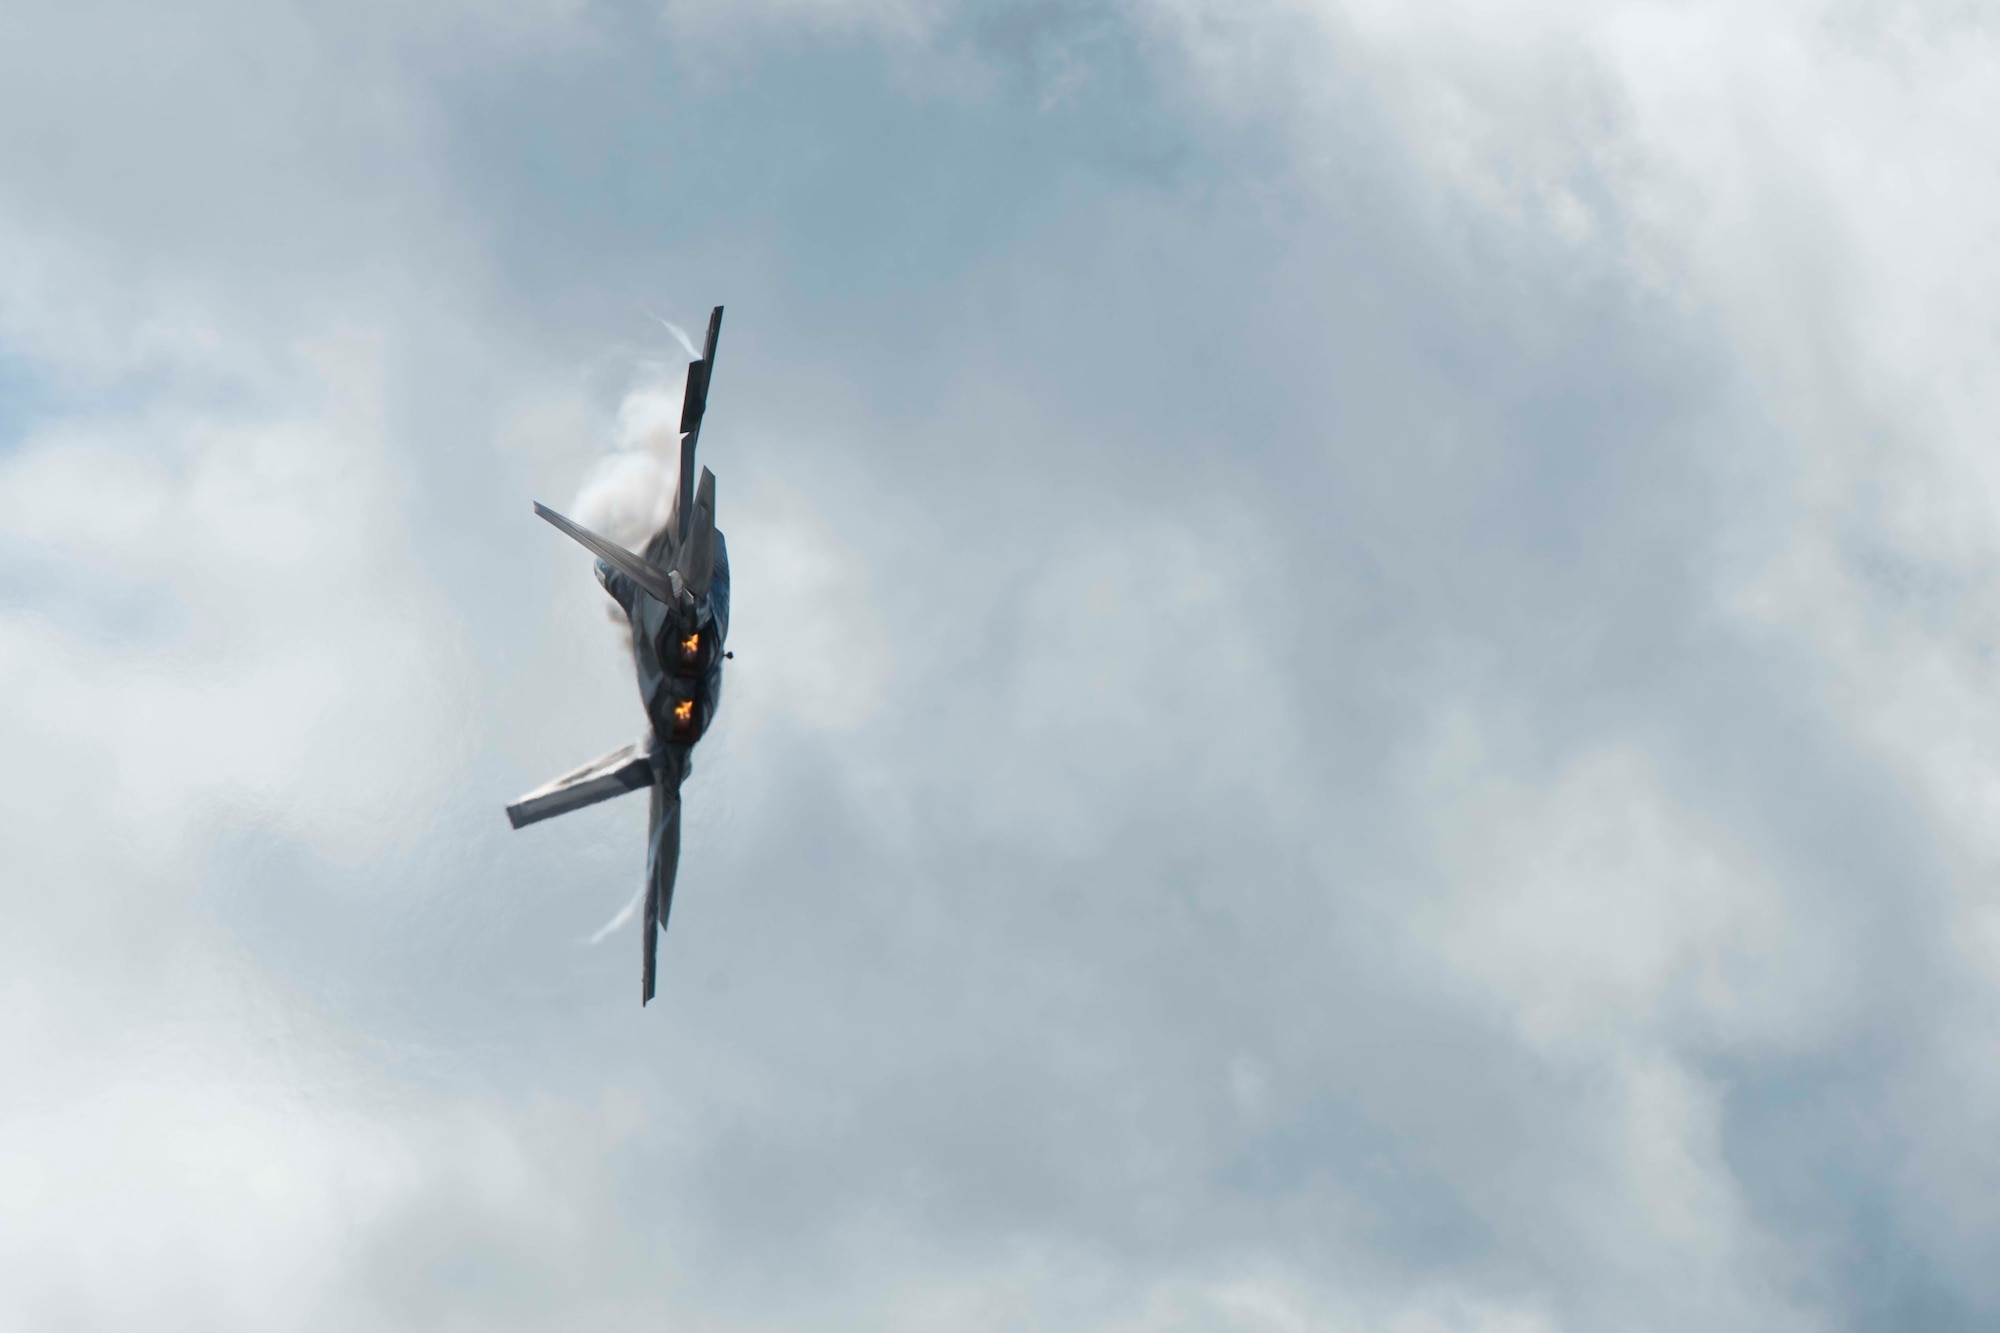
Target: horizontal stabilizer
{"points": [[652, 580], [628, 768]]}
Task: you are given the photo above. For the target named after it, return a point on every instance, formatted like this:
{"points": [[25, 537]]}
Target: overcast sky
{"points": [[1365, 689]]}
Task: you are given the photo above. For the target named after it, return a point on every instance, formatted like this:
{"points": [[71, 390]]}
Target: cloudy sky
{"points": [[1366, 666]]}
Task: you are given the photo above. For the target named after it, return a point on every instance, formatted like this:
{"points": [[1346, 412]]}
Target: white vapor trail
{"points": [[680, 336], [625, 915]]}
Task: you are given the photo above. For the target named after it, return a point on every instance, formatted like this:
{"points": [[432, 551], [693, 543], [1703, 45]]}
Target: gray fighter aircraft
{"points": [[675, 593]]}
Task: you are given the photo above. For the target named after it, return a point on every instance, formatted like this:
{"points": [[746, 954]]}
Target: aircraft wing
{"points": [[654, 581], [628, 768]]}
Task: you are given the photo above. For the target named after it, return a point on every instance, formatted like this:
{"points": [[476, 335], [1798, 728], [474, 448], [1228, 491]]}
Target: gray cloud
{"points": [[1360, 695]]}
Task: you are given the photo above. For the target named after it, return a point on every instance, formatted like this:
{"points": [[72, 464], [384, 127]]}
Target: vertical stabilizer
{"points": [[696, 563], [662, 862], [693, 405]]}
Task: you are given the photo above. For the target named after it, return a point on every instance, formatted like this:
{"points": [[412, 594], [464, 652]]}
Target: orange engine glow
{"points": [[684, 711], [690, 645]]}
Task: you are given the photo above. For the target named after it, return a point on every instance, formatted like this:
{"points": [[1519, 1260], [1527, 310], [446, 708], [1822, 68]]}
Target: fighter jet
{"points": [[675, 593]]}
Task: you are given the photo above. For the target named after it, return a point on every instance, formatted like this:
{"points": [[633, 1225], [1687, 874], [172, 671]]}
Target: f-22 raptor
{"points": [[675, 593]]}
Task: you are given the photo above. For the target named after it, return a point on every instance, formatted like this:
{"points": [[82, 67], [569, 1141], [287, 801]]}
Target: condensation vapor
{"points": [[629, 496], [623, 919], [681, 336]]}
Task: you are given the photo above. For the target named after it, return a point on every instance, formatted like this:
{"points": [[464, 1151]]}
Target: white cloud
{"points": [[287, 657], [809, 638], [1099, 937], [1602, 915], [906, 21], [1814, 183]]}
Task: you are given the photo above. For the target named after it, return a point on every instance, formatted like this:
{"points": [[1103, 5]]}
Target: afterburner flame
{"points": [[691, 645], [684, 711]]}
